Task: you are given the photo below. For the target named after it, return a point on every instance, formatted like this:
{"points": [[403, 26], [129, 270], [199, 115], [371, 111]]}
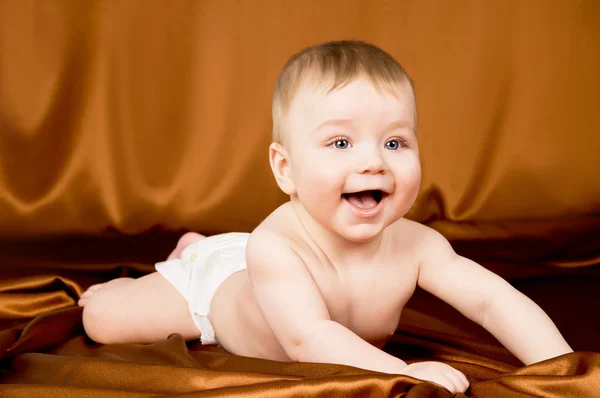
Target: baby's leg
{"points": [[143, 310], [87, 295], [186, 240]]}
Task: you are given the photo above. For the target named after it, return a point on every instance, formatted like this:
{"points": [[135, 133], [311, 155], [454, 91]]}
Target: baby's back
{"points": [[366, 297]]}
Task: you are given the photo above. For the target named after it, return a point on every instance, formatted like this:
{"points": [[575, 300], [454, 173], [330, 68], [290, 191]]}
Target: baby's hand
{"points": [[439, 373]]}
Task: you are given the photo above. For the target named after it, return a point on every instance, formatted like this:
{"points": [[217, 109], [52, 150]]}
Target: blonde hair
{"points": [[330, 66]]}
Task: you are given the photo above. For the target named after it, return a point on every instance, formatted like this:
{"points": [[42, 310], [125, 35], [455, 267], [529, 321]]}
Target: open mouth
{"points": [[365, 199]]}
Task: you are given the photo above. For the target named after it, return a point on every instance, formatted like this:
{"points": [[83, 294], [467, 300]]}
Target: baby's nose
{"points": [[373, 164]]}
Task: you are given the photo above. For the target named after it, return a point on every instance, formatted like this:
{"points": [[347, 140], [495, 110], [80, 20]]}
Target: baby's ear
{"points": [[280, 166]]}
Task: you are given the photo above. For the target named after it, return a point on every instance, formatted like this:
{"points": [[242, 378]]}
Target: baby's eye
{"points": [[341, 144], [393, 145]]}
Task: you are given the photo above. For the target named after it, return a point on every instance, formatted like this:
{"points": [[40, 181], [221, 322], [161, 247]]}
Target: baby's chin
{"points": [[361, 233]]}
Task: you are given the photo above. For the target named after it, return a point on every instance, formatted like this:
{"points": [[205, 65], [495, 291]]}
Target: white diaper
{"points": [[203, 266]]}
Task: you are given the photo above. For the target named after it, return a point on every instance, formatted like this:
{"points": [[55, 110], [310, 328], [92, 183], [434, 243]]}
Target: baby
{"points": [[325, 277]]}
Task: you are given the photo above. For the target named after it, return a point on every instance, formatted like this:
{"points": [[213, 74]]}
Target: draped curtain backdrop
{"points": [[137, 114]]}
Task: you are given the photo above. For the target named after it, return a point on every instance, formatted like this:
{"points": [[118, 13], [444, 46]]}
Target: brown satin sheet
{"points": [[45, 352], [124, 123]]}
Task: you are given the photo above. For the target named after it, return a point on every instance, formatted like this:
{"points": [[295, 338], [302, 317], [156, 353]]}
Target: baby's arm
{"points": [[485, 298], [296, 312]]}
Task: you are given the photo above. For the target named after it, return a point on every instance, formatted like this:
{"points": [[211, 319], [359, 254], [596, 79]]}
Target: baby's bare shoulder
{"points": [[411, 231], [283, 225], [416, 238], [274, 234], [283, 233], [424, 243], [275, 225]]}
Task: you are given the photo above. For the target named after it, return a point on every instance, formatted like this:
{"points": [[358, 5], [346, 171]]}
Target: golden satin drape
{"points": [[134, 114], [169, 368], [50, 356], [129, 116]]}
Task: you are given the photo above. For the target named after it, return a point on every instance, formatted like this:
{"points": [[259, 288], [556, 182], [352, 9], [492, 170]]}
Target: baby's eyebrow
{"points": [[399, 124], [332, 122], [394, 125]]}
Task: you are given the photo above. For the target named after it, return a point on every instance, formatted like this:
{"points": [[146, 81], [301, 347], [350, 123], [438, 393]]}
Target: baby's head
{"points": [[344, 137]]}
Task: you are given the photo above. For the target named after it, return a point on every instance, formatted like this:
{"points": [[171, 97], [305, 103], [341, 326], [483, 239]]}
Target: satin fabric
{"points": [[129, 115], [45, 352], [123, 124]]}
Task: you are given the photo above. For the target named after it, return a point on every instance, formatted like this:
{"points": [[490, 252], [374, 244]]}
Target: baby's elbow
{"points": [[293, 348], [495, 302], [295, 344], [306, 346]]}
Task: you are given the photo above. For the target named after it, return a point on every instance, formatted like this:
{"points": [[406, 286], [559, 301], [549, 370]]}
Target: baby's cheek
{"points": [[321, 191], [409, 170], [323, 172], [413, 176], [410, 184]]}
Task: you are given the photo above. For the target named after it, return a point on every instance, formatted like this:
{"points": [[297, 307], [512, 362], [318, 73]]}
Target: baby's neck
{"points": [[338, 249]]}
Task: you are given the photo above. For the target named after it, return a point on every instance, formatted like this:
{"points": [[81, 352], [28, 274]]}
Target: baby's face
{"points": [[354, 157]]}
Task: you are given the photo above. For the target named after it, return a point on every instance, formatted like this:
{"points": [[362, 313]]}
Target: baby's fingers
{"points": [[448, 381], [464, 382], [458, 381]]}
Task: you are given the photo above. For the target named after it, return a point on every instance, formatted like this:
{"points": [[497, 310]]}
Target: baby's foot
{"points": [[186, 240], [87, 295]]}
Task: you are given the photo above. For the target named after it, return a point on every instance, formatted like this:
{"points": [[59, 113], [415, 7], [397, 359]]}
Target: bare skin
{"points": [[183, 242], [143, 310], [329, 273], [366, 300], [350, 293]]}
